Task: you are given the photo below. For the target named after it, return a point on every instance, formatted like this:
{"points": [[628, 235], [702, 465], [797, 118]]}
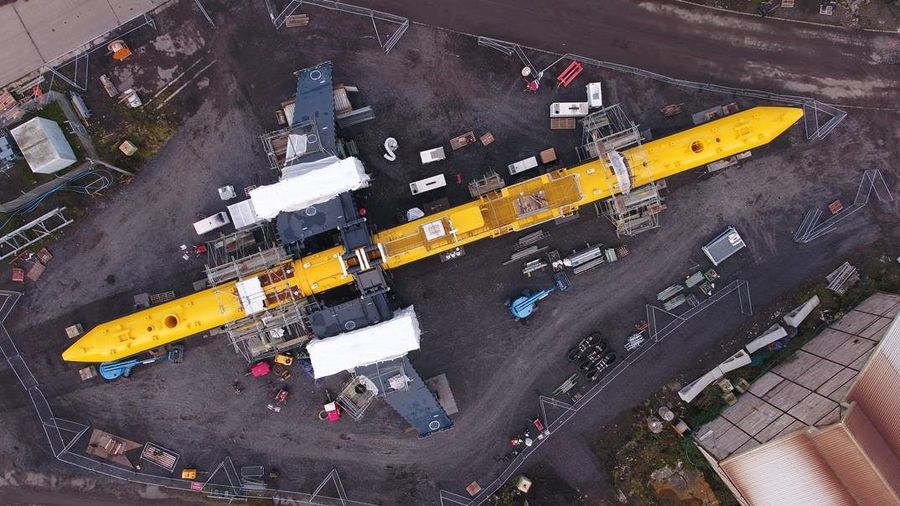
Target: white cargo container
{"points": [[432, 155], [427, 184], [44, 146], [522, 165], [568, 109], [594, 95], [215, 221]]}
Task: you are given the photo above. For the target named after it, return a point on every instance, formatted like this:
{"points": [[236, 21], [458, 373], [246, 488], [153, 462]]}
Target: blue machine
{"points": [[523, 306], [113, 370]]}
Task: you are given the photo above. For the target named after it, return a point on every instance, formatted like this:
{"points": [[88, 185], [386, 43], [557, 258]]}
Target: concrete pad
{"points": [[129, 9], [18, 54], [833, 416], [720, 437], [841, 392], [819, 373], [774, 428], [796, 365], [765, 383], [844, 376], [826, 342], [812, 408], [851, 351], [35, 32], [54, 34], [730, 441], [759, 418], [794, 426], [749, 445], [786, 395], [877, 329], [860, 362], [884, 304], [854, 322], [745, 405]]}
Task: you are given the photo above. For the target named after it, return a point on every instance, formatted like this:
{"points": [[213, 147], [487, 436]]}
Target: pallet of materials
{"points": [[562, 123], [296, 20]]}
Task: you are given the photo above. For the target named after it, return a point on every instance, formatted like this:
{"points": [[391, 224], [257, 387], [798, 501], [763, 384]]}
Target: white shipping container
{"points": [[215, 221], [594, 95], [568, 109]]}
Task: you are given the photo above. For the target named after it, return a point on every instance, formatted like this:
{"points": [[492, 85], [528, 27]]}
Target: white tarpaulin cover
{"points": [[311, 187], [377, 343]]}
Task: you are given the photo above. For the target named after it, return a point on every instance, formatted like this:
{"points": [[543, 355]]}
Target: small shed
{"points": [[726, 244], [44, 146]]}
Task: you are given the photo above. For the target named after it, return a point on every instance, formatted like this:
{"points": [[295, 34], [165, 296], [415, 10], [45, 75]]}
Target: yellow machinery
{"points": [[516, 207]]}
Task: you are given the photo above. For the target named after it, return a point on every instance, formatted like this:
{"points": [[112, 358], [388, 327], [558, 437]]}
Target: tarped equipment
{"points": [[306, 188], [385, 341]]}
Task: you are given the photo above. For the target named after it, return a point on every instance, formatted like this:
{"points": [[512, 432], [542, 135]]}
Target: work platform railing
{"points": [[279, 18]]}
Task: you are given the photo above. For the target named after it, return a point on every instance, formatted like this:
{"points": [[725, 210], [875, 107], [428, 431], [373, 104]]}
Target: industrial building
{"points": [[821, 428], [44, 146]]}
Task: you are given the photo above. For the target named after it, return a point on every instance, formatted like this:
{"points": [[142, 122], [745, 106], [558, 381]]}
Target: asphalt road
{"points": [[686, 41]]}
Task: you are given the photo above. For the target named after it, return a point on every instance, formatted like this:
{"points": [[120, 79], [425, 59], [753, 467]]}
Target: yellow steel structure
{"points": [[516, 207]]}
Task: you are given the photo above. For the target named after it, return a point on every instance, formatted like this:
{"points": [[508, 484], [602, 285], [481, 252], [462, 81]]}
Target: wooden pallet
{"points": [[562, 123], [296, 20], [463, 140], [159, 456]]}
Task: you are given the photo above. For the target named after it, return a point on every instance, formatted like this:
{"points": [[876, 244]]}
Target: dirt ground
{"points": [[855, 14], [434, 85]]}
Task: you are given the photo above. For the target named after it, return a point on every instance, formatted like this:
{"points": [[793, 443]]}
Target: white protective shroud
{"points": [[306, 188], [377, 343]]}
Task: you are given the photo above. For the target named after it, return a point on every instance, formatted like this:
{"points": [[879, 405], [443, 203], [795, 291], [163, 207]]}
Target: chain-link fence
{"points": [[62, 436]]}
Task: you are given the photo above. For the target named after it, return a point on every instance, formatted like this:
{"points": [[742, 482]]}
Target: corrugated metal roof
{"points": [[760, 474], [854, 461], [883, 488]]}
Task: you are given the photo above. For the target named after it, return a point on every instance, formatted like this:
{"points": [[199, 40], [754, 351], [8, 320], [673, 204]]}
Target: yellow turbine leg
{"points": [[562, 192]]}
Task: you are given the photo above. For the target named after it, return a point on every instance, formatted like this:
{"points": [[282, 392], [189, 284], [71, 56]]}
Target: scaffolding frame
{"points": [[26, 235], [606, 130], [631, 211], [277, 153], [254, 249], [254, 253], [636, 212], [274, 331], [347, 399]]}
